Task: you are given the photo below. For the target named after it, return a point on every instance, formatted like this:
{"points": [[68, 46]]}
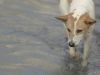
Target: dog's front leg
{"points": [[87, 40], [73, 54]]}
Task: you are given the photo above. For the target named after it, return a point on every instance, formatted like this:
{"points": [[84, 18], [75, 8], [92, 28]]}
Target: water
{"points": [[32, 41]]}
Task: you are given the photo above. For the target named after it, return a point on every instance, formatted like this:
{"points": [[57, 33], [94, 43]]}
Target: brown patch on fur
{"points": [[69, 2], [69, 21], [63, 18], [59, 1], [81, 24], [70, 24]]}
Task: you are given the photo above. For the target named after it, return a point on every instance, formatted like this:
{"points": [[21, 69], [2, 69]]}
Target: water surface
{"points": [[33, 42]]}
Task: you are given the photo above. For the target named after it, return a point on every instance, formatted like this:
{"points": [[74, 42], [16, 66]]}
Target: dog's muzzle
{"points": [[71, 44]]}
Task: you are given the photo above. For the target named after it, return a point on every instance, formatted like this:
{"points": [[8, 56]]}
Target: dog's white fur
{"points": [[80, 7]]}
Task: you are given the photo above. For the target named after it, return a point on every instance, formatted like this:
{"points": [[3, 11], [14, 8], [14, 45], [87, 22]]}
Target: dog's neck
{"points": [[82, 6], [79, 10]]}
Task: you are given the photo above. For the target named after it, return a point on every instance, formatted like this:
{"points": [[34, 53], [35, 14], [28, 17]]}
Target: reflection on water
{"points": [[32, 41]]}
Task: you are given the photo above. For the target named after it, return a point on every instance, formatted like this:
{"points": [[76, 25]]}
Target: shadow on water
{"points": [[70, 67]]}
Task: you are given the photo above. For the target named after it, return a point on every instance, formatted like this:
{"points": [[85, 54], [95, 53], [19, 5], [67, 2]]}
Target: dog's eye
{"points": [[68, 29], [78, 31]]}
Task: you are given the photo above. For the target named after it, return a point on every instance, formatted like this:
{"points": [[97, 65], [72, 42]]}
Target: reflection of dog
{"points": [[78, 21]]}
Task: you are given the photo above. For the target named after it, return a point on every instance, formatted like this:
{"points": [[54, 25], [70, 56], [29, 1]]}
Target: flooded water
{"points": [[33, 42]]}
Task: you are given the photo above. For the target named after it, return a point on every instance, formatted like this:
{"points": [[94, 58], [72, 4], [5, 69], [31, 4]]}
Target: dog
{"points": [[78, 17]]}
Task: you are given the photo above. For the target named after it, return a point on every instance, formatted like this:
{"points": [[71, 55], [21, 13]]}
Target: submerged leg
{"points": [[87, 40], [73, 54]]}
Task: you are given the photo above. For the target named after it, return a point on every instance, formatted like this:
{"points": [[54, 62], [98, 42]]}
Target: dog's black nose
{"points": [[71, 44]]}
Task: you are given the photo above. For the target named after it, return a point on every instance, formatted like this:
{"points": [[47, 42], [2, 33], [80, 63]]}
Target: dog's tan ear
{"points": [[62, 18], [89, 21]]}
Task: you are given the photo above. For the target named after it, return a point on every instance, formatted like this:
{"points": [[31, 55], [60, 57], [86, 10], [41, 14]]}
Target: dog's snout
{"points": [[71, 44]]}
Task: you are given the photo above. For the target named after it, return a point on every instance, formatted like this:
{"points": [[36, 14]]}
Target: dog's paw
{"points": [[76, 58], [84, 63]]}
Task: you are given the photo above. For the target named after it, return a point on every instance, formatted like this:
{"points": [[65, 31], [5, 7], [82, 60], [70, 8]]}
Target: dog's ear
{"points": [[62, 18], [89, 21]]}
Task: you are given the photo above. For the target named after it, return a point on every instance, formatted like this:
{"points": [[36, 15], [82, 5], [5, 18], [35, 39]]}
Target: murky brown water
{"points": [[32, 41]]}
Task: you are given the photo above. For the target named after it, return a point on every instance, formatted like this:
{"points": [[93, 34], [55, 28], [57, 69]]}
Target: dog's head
{"points": [[77, 25]]}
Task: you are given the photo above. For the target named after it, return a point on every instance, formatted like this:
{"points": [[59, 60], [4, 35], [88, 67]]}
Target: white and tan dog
{"points": [[78, 18]]}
